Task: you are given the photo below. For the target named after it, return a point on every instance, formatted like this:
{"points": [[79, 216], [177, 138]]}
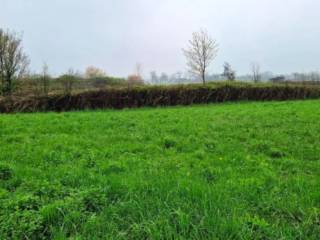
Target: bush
{"points": [[158, 96]]}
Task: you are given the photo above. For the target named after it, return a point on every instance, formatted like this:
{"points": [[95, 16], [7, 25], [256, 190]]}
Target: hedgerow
{"points": [[157, 96]]}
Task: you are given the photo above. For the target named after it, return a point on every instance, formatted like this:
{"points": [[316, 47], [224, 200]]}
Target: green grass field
{"points": [[229, 171]]}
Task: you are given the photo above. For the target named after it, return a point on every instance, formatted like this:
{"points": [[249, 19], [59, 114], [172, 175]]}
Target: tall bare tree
{"points": [[13, 61], [202, 50], [138, 70], [154, 77], [256, 74], [45, 79]]}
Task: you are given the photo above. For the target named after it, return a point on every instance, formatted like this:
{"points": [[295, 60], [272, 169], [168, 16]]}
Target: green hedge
{"points": [[157, 96]]}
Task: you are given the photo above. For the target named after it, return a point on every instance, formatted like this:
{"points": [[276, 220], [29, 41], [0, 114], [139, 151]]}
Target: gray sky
{"points": [[282, 35]]}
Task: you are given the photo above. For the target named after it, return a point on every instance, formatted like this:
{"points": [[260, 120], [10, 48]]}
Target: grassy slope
{"points": [[231, 171]]}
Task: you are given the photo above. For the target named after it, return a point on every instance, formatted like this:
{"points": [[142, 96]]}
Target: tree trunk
{"points": [[7, 88], [203, 75]]}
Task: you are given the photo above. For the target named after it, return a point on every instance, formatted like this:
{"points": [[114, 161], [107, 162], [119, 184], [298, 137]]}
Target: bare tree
{"points": [[177, 78], [94, 72], [13, 62], [256, 74], [228, 72], [45, 79], [138, 70], [154, 77], [202, 50], [164, 78], [134, 80], [68, 80]]}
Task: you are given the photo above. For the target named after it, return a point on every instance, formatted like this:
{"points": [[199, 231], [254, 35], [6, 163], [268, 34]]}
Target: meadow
{"points": [[247, 170]]}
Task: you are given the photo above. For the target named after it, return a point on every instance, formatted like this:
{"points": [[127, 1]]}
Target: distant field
{"points": [[229, 171]]}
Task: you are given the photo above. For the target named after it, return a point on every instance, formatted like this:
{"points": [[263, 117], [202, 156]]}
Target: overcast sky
{"points": [[282, 35]]}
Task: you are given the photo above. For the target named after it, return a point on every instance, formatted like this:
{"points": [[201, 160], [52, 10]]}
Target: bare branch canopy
{"points": [[13, 62], [202, 50], [256, 74]]}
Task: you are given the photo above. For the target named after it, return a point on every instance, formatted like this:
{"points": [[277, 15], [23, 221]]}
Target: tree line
{"points": [[201, 51]]}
